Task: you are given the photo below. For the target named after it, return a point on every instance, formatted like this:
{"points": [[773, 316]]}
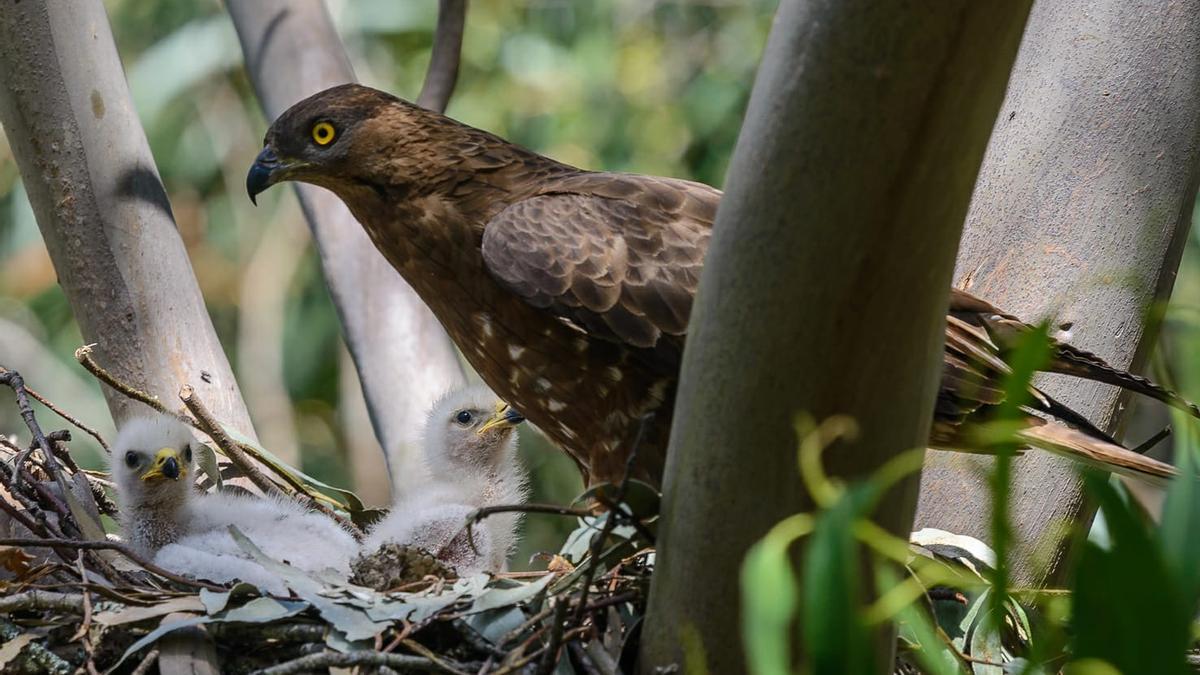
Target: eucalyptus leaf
{"points": [[493, 598], [352, 621], [494, 624], [263, 610]]}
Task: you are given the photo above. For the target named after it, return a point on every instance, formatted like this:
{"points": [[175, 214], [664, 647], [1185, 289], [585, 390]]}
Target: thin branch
{"points": [[147, 663], [111, 546], [68, 417], [597, 543], [442, 75], [84, 356], [67, 603], [556, 634], [306, 664], [209, 425], [14, 380]]}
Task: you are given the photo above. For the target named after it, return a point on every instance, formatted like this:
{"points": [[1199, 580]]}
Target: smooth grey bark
{"points": [[102, 209], [824, 290], [1081, 212], [404, 358]]}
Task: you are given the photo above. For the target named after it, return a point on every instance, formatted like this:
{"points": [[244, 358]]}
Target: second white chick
{"points": [[186, 531], [470, 448]]}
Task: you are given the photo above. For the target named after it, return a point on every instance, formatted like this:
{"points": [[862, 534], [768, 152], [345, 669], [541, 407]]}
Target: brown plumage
{"points": [[569, 291]]}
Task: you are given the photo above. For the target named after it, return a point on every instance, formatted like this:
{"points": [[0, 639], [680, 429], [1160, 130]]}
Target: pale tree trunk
{"points": [[825, 287], [1081, 213], [102, 209], [404, 358]]}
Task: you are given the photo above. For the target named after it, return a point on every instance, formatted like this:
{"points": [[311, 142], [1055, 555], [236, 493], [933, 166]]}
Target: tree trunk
{"points": [[1081, 212], [404, 358], [824, 290], [102, 209]]}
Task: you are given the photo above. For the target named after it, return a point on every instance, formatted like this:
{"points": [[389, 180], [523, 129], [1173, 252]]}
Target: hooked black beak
{"points": [[513, 417], [263, 173]]}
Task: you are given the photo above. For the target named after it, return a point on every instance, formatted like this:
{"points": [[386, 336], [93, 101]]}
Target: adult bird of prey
{"points": [[569, 291]]}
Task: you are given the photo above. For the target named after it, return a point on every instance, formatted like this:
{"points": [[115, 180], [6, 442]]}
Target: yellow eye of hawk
{"points": [[323, 133]]}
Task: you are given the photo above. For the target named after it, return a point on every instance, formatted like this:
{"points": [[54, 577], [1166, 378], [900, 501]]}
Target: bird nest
{"points": [[72, 597]]}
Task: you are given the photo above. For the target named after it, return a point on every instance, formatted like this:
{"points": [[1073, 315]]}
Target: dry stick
{"points": [[14, 380], [147, 663], [556, 634], [306, 664], [210, 426], [627, 515], [235, 453], [485, 511], [522, 662], [67, 603], [111, 546], [84, 356], [70, 420], [424, 651], [442, 74], [597, 544]]}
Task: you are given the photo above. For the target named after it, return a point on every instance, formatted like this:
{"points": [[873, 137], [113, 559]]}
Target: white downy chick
{"points": [[186, 531], [470, 448]]}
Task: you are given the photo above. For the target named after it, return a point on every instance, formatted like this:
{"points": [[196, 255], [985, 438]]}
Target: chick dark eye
{"points": [[463, 417], [131, 459], [187, 453]]}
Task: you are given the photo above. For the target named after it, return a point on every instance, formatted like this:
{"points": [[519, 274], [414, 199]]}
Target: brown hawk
{"points": [[569, 291]]}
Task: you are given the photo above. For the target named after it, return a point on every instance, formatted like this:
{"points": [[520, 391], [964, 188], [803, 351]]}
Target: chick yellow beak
{"points": [[166, 466], [505, 416]]}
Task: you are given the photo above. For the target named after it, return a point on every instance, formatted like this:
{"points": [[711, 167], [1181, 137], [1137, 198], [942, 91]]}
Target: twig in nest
{"points": [[67, 416], [210, 426], [84, 356], [442, 74], [597, 544], [147, 663], [306, 664], [556, 634], [13, 379], [112, 546], [627, 515], [66, 603], [485, 511]]}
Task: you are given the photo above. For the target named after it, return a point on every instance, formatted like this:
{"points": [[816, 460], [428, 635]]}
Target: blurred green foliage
{"points": [[629, 85]]}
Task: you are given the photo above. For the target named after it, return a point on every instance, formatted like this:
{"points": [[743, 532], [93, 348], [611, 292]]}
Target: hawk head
{"points": [[349, 139]]}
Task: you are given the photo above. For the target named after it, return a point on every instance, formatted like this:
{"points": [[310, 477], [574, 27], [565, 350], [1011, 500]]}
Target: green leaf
{"points": [[929, 646], [835, 638], [1179, 533], [1127, 610], [769, 601]]}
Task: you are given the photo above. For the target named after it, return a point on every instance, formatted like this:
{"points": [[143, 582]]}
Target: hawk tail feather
{"points": [[1082, 448]]}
